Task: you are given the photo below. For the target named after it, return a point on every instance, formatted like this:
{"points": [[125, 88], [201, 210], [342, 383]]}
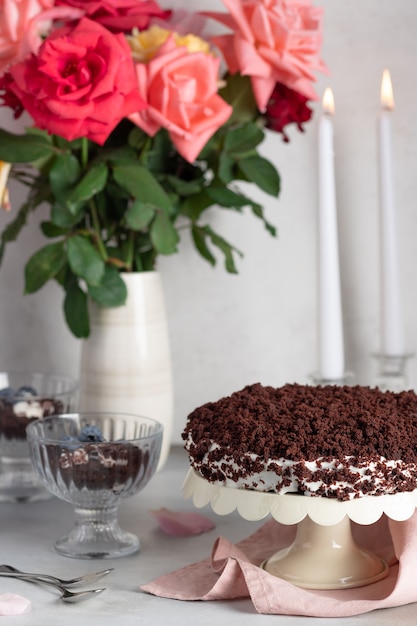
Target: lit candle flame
{"points": [[387, 96], [328, 101]]}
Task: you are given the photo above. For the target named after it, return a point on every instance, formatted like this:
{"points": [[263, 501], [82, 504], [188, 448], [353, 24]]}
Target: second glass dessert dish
{"points": [[25, 397], [93, 461]]}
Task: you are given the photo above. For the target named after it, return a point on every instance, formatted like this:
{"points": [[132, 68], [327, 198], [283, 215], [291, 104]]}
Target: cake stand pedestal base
{"points": [[326, 557], [323, 554]]}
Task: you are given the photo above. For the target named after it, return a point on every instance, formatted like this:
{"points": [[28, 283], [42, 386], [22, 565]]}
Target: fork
{"points": [[72, 582], [66, 594]]}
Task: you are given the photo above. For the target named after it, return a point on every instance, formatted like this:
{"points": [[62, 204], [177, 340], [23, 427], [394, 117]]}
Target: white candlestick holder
{"points": [[391, 372], [318, 380]]}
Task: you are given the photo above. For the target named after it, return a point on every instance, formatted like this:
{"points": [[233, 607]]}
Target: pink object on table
{"points": [[12, 604], [182, 524], [233, 571]]}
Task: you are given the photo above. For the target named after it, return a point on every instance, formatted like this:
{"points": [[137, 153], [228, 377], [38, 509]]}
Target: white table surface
{"points": [[27, 532]]}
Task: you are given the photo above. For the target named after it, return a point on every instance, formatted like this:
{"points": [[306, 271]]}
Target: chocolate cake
{"points": [[330, 441], [89, 461]]}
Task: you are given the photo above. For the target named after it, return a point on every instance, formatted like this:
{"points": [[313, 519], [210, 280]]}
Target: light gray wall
{"points": [[228, 331]]}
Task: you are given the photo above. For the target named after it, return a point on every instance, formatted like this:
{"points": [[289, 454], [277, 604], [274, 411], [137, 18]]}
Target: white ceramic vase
{"points": [[126, 360]]}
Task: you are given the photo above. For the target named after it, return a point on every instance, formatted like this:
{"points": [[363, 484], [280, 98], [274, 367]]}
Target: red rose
{"points": [[7, 97], [119, 15], [286, 106], [82, 83]]}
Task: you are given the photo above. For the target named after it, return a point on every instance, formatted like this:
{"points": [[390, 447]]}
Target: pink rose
{"points": [[81, 83], [180, 89], [274, 41], [15, 20], [119, 15]]}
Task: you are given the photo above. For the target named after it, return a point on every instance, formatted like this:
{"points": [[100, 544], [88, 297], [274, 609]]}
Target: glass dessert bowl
{"points": [[24, 398], [93, 461]]}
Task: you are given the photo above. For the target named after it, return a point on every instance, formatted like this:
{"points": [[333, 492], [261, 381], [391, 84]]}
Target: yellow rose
{"points": [[145, 44], [192, 43], [4, 192]]}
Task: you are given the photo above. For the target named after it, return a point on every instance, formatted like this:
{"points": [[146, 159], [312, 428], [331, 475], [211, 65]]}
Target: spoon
{"points": [[72, 582], [66, 594]]}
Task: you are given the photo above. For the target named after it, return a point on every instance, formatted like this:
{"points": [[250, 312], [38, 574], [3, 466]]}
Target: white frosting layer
{"points": [[340, 478], [80, 456], [28, 409]]}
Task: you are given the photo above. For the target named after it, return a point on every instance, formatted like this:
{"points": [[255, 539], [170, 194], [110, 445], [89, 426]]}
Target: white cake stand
{"points": [[323, 554]]}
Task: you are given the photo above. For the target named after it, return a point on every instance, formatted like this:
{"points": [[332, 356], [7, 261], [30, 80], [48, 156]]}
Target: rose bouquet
{"points": [[141, 120]]}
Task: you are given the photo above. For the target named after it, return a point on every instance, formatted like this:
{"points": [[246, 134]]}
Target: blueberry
{"points": [[91, 433], [72, 443], [26, 391], [7, 394]]}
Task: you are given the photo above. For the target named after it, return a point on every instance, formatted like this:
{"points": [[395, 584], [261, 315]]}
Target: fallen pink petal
{"points": [[12, 604], [180, 524]]}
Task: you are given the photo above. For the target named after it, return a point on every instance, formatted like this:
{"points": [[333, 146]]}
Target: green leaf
{"points": [[34, 130], [64, 144], [64, 173], [225, 247], [142, 185], [238, 92], [12, 230], [84, 260], [227, 197], [76, 311], [71, 195], [123, 155], [140, 214], [91, 184], [163, 234], [145, 261], [61, 217], [185, 187], [44, 265], [51, 230], [158, 154], [137, 138], [226, 168], [261, 172], [243, 139], [258, 211], [199, 237], [23, 148], [194, 206], [111, 291]]}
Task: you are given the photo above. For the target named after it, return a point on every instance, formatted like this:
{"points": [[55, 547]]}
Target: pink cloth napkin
{"points": [[233, 572], [12, 604]]}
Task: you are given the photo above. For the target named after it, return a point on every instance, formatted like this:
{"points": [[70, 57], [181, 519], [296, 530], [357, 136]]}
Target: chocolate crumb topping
{"points": [[305, 422]]}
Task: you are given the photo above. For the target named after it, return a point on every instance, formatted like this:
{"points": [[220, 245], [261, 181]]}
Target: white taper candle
{"points": [[331, 346], [392, 331]]}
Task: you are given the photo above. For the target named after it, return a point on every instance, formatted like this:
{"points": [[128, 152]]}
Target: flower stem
{"points": [[84, 151], [130, 248], [97, 230], [144, 152]]}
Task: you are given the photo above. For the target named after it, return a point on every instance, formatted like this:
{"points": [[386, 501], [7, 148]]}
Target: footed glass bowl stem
{"points": [[97, 534]]}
